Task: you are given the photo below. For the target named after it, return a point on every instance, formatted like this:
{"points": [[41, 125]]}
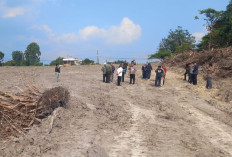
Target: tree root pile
{"points": [[19, 112], [221, 58]]}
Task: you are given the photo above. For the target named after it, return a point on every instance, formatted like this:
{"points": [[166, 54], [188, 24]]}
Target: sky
{"points": [[122, 29]]}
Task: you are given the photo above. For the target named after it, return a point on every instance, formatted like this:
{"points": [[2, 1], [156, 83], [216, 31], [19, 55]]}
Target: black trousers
{"points": [[148, 75], [123, 74], [132, 77], [119, 80], [209, 82], [104, 77], [158, 81], [194, 77]]}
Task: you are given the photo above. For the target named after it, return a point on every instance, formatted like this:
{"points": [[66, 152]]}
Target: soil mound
{"points": [[221, 58]]}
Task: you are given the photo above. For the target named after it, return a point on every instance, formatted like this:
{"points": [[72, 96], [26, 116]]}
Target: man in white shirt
{"points": [[119, 73], [132, 72]]}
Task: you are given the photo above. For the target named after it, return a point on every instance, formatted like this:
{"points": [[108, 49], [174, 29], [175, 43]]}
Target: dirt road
{"points": [[128, 121]]}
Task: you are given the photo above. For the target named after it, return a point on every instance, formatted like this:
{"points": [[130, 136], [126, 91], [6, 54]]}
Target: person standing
{"points": [[149, 68], [103, 69], [125, 64], [159, 73], [186, 71], [119, 73], [191, 73], [144, 71], [209, 72], [112, 73], [108, 72], [123, 73], [164, 73], [132, 72], [57, 71], [195, 73]]}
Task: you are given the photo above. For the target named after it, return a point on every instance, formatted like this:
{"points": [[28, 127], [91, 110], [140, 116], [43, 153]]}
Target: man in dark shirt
{"points": [[57, 71], [149, 68], [144, 71], [195, 73], [159, 73], [186, 71]]}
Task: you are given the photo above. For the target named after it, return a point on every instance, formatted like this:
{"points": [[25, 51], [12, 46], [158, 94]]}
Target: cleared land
{"points": [[177, 119]]}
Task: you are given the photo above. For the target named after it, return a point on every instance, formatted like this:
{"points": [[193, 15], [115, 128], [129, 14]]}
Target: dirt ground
{"points": [[177, 119]]}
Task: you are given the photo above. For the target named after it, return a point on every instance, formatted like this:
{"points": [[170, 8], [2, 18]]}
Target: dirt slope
{"points": [[131, 120]]}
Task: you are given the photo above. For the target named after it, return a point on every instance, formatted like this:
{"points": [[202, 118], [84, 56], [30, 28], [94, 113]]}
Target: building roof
{"points": [[71, 59]]}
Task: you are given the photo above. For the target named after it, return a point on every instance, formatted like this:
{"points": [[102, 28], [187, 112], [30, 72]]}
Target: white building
{"points": [[71, 61]]}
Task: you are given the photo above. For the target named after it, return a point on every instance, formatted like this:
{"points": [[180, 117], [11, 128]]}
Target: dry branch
{"points": [[19, 113]]}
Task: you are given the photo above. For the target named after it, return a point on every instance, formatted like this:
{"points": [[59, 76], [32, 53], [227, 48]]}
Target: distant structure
{"points": [[71, 61]]}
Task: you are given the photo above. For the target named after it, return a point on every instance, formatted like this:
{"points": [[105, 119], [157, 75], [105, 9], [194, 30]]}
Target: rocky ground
{"points": [[177, 119]]}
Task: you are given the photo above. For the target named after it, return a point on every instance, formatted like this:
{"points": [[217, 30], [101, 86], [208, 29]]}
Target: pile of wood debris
{"points": [[221, 59], [19, 112]]}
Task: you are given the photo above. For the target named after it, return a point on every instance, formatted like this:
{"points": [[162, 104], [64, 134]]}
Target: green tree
{"points": [[176, 38], [59, 61], [17, 56], [161, 54], [1, 57], [32, 54], [211, 17], [87, 61], [182, 48]]}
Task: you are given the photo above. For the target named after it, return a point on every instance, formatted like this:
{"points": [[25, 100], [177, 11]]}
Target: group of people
{"points": [[109, 70], [146, 71], [191, 70]]}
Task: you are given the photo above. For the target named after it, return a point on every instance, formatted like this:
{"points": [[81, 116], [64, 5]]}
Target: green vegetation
{"points": [[1, 57], [32, 54], [87, 61], [177, 41], [31, 57], [219, 25], [59, 61], [161, 54], [118, 62]]}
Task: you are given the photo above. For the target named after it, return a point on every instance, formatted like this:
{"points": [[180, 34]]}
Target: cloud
{"points": [[125, 33], [54, 37], [198, 36], [10, 12]]}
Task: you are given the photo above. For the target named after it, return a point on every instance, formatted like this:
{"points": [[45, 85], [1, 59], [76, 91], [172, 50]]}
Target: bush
{"points": [[87, 61], [162, 54]]}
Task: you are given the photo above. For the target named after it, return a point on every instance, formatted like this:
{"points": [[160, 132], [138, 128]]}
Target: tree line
{"points": [[31, 57], [218, 24]]}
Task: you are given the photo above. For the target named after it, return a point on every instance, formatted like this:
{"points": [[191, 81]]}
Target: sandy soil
{"points": [[139, 120]]}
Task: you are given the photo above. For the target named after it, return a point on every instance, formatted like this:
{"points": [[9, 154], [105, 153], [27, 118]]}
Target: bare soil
{"points": [[177, 119]]}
